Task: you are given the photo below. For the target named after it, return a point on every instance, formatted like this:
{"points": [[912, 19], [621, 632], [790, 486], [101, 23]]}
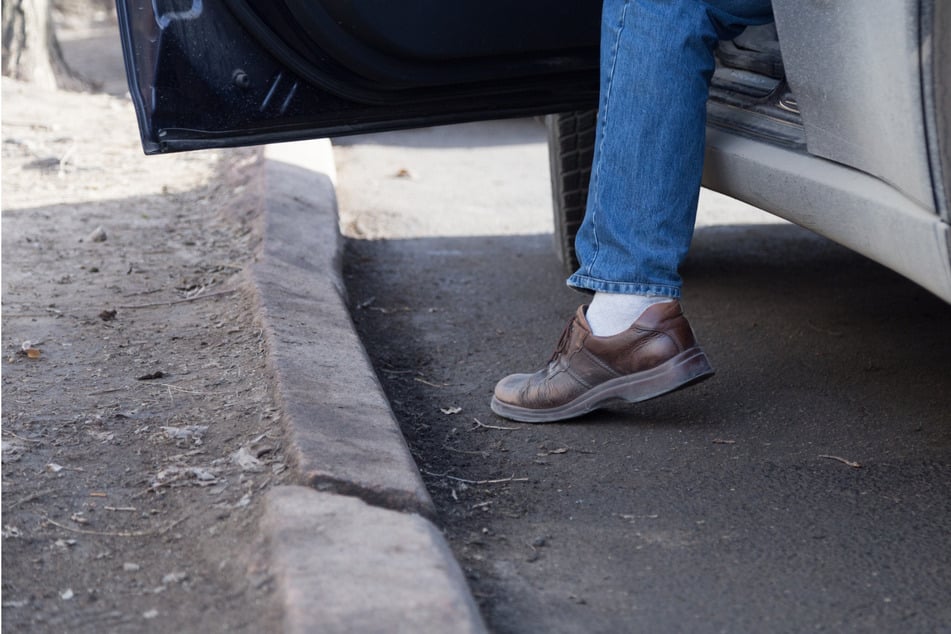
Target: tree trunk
{"points": [[30, 50]]}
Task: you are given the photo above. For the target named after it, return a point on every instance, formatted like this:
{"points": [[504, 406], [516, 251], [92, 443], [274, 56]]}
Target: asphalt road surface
{"points": [[806, 487]]}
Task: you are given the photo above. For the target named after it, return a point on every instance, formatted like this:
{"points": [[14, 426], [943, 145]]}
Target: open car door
{"points": [[238, 72]]}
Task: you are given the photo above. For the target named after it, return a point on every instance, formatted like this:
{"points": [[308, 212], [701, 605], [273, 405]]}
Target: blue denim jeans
{"points": [[656, 64]]}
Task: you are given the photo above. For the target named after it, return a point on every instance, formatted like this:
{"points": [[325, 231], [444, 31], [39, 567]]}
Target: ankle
{"points": [[613, 313]]}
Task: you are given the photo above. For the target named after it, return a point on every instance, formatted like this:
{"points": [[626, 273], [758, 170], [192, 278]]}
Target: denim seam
{"points": [[602, 125]]}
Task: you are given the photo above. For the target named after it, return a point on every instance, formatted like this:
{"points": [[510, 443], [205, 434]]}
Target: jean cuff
{"points": [[585, 283]]}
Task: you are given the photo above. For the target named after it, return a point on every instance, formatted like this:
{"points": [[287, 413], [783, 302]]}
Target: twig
{"points": [[138, 293], [116, 533], [483, 425], [45, 314], [465, 481], [28, 124], [471, 453], [130, 509], [390, 311], [179, 301], [10, 433], [186, 391], [30, 498], [854, 465], [425, 382], [563, 450], [170, 387], [101, 392], [720, 441]]}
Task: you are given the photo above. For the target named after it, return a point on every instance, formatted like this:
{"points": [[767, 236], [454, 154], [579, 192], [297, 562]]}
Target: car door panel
{"points": [[855, 69], [236, 73]]}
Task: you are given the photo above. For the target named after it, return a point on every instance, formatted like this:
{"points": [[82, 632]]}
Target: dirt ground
{"points": [[139, 432]]}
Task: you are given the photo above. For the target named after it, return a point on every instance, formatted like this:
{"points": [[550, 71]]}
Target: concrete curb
{"points": [[342, 435], [343, 566], [357, 554]]}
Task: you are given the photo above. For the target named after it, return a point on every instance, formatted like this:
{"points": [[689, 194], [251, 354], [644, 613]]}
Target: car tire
{"points": [[570, 154]]}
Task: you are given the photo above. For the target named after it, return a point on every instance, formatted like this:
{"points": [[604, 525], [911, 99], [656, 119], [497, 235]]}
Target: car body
{"points": [[839, 119]]}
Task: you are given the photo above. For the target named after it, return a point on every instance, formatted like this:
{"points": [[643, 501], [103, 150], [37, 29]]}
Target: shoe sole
{"points": [[689, 367]]}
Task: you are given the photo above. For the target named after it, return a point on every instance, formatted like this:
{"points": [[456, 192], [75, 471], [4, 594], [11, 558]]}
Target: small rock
{"points": [[190, 432], [12, 452], [244, 459], [98, 235], [150, 614], [101, 436], [66, 594], [174, 577], [130, 567], [16, 604], [203, 475]]}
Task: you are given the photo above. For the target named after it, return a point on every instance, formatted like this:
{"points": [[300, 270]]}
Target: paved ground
{"points": [[805, 487]]}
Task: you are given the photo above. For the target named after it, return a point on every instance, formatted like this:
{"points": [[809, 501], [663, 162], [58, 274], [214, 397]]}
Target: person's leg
{"points": [[646, 177], [656, 64], [657, 60]]}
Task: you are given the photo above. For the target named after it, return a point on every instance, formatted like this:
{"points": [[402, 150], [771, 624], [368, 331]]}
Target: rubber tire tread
{"points": [[570, 154]]}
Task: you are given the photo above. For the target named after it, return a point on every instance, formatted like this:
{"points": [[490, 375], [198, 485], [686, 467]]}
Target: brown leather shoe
{"points": [[656, 355]]}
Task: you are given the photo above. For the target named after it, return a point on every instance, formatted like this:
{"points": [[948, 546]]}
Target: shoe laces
{"points": [[562, 346]]}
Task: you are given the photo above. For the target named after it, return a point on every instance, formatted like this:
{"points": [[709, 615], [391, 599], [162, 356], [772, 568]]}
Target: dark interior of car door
{"points": [[251, 71], [433, 42]]}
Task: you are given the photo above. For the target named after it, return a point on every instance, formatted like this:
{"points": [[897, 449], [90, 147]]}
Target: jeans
{"points": [[656, 64]]}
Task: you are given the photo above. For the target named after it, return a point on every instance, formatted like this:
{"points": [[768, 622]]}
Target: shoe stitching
{"points": [[577, 378], [653, 335], [601, 364]]}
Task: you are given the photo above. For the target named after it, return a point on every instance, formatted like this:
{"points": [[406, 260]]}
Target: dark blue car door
{"points": [[237, 72]]}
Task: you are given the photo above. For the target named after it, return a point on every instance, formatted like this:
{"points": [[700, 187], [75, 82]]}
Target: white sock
{"points": [[612, 313]]}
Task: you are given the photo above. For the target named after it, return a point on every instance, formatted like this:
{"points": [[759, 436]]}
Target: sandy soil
{"points": [[139, 432]]}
